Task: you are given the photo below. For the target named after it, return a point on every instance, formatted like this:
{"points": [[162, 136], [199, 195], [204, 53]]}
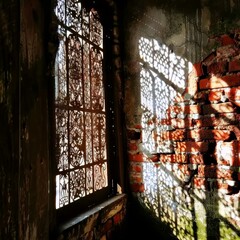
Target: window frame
{"points": [[105, 12]]}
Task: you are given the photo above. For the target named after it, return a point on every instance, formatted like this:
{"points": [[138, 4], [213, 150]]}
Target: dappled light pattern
{"points": [[227, 207], [162, 76], [151, 190], [167, 200], [190, 140], [180, 207]]}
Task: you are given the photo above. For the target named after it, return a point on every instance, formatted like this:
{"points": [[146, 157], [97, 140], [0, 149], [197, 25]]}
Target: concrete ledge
{"points": [[95, 217]]}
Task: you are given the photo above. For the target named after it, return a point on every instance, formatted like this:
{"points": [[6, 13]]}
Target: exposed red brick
{"points": [[204, 134], [226, 52], [200, 141], [155, 135], [228, 153], [199, 183], [138, 126], [165, 121], [173, 158], [136, 157], [176, 135], [191, 147], [226, 107], [179, 123], [181, 171], [234, 93], [188, 109], [154, 158], [136, 187], [117, 218], [220, 120], [196, 159], [136, 178], [225, 174], [217, 67], [136, 168], [215, 95], [192, 81], [234, 66], [189, 122], [220, 82], [212, 171], [175, 109], [207, 171], [226, 40], [197, 70], [132, 146], [209, 59]]}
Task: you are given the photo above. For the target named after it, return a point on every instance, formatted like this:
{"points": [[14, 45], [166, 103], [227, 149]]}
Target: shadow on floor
{"points": [[140, 225]]}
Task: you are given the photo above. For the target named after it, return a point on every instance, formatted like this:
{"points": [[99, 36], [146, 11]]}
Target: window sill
{"points": [[91, 218]]}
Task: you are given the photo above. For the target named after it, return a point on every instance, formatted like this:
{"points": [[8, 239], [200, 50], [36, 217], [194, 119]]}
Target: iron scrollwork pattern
{"points": [[79, 104]]}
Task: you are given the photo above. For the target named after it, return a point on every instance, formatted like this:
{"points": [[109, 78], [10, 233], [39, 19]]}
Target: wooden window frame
{"points": [[114, 125]]}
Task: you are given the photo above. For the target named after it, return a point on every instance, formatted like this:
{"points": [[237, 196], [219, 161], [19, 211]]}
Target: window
{"points": [[81, 113]]}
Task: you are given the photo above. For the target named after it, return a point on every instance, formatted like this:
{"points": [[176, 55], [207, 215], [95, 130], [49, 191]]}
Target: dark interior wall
{"points": [[34, 120], [28, 46], [9, 127], [182, 25], [24, 116]]}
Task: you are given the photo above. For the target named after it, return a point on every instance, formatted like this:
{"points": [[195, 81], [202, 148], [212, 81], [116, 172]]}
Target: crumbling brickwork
{"points": [[202, 133]]}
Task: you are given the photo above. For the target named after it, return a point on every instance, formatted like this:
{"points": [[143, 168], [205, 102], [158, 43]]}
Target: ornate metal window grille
{"points": [[81, 146]]}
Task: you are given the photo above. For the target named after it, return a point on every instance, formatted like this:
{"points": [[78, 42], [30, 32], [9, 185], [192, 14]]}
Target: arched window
{"points": [[81, 107]]}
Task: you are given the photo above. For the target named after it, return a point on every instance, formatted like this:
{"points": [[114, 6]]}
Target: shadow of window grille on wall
{"points": [[79, 104], [162, 76], [167, 200]]}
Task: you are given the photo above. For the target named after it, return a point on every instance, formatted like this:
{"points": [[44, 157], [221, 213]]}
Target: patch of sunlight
{"points": [[163, 75]]}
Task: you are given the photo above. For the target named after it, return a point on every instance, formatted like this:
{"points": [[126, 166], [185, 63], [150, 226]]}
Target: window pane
{"points": [[81, 151]]}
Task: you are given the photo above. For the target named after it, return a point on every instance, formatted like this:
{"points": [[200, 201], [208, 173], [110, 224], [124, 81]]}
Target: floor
{"points": [[141, 226]]}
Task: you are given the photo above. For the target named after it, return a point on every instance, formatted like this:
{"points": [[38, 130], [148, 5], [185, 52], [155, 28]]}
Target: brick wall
{"points": [[202, 137], [104, 222]]}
